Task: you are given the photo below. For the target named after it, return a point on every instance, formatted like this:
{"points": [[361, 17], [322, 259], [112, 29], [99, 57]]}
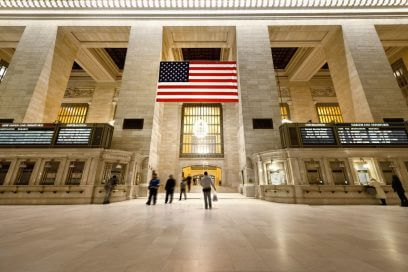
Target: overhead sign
{"points": [[344, 135], [55, 135], [26, 134]]}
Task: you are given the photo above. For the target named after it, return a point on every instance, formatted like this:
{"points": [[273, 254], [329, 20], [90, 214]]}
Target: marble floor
{"points": [[237, 235]]}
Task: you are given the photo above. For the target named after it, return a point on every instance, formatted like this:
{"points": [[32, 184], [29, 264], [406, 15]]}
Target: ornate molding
{"points": [[78, 92], [195, 4], [284, 92], [323, 92]]}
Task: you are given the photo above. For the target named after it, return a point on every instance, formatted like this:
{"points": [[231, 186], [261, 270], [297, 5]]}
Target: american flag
{"points": [[197, 81]]}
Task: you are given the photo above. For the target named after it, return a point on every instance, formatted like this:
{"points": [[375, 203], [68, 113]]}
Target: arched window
{"points": [[201, 131]]}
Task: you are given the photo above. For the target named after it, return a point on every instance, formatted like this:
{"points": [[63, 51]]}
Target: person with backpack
{"points": [[109, 186]]}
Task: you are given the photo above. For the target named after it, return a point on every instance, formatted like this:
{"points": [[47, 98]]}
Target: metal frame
{"points": [[196, 155]]}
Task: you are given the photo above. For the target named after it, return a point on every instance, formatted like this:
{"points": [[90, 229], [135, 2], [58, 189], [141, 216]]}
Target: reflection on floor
{"points": [[237, 235]]}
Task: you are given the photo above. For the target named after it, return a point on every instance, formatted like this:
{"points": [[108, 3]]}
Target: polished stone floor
{"points": [[237, 235]]}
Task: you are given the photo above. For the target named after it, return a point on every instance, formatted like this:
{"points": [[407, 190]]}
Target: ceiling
{"points": [[201, 53], [281, 56], [118, 55]]}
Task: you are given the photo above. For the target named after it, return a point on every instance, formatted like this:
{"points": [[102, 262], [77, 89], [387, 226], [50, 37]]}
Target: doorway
{"points": [[196, 172]]}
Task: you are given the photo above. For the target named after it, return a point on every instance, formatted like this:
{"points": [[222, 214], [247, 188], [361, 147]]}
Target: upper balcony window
{"points": [[72, 113], [201, 130]]}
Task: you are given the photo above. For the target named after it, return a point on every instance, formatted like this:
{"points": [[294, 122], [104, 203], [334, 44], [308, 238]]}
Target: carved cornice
{"points": [[194, 4], [198, 8], [323, 92], [78, 92]]}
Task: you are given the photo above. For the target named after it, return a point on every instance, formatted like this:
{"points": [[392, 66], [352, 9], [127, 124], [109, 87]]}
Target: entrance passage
{"points": [[196, 172]]}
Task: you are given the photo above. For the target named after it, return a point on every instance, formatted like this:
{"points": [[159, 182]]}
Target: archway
{"points": [[197, 171]]}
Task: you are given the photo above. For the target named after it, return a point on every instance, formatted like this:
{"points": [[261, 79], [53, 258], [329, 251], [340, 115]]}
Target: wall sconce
{"points": [[340, 163], [72, 163], [48, 164], [314, 163], [23, 164]]}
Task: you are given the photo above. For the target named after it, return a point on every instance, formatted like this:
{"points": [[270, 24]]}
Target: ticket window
{"points": [[388, 171], [75, 172], [114, 169], [4, 167], [339, 173], [314, 173], [276, 173], [25, 169], [363, 172], [50, 173]]}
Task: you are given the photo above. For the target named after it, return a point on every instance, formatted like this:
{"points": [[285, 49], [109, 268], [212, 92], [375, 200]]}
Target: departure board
{"points": [[75, 134], [344, 135], [372, 134], [26, 134], [317, 135]]}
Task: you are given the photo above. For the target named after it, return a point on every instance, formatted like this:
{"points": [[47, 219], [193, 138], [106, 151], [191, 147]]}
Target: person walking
{"points": [[189, 183], [399, 189], [154, 185], [379, 190], [109, 186], [170, 184], [183, 185], [206, 182]]}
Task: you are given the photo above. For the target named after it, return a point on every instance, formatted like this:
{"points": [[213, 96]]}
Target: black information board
{"points": [[317, 136], [74, 135], [378, 134], [26, 134], [344, 135], [55, 135]]}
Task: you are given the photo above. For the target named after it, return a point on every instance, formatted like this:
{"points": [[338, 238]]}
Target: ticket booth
{"points": [[314, 172], [388, 170], [364, 170], [339, 173], [275, 173], [4, 167]]}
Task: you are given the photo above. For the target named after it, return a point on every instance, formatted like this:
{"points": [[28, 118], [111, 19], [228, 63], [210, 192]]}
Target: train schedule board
{"points": [[74, 134], [372, 134], [26, 134], [317, 135]]}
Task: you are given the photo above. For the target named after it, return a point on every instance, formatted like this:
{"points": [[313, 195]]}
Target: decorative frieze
{"points": [[323, 92], [284, 92], [79, 92], [230, 4]]}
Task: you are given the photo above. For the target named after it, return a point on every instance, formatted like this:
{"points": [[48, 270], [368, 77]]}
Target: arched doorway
{"points": [[197, 171]]}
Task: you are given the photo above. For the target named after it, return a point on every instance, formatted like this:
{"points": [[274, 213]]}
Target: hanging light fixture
{"points": [[284, 120]]}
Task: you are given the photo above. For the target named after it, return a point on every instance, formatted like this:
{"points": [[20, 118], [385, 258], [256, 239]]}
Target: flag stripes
{"points": [[207, 81]]}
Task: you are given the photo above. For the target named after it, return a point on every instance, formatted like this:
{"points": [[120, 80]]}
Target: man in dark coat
{"points": [[170, 184], [109, 186], [399, 189], [189, 183]]}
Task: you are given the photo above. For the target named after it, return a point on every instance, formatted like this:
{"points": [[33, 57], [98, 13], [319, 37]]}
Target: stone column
{"points": [[258, 94], [102, 108], [303, 106], [362, 76], [137, 95], [23, 90], [36, 80]]}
